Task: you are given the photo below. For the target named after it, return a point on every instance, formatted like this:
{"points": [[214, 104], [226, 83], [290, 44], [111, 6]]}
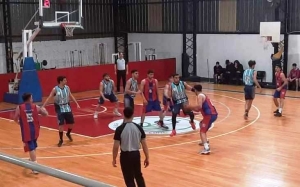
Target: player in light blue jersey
{"points": [[250, 80], [61, 94]]}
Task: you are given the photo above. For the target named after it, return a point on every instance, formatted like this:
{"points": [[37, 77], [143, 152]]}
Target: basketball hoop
{"points": [[69, 28]]}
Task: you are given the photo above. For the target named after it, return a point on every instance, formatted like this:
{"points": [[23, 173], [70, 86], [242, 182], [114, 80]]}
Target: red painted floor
{"points": [[85, 124]]}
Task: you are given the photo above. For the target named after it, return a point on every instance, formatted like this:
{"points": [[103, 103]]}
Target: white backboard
{"points": [[271, 29]]}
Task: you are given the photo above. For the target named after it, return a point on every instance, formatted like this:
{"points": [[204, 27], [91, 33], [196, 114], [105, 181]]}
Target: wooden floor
{"points": [[260, 152]]}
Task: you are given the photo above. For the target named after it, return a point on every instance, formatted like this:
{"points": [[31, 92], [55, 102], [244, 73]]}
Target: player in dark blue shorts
{"points": [[149, 89], [107, 94], [250, 80]]}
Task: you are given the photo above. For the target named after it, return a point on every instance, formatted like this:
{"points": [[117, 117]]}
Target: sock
{"points": [[192, 116], [174, 121], [141, 124], [69, 131], [61, 135], [280, 110], [161, 121], [206, 146]]}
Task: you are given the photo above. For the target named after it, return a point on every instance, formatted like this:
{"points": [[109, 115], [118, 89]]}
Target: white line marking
{"points": [[84, 115], [166, 146]]}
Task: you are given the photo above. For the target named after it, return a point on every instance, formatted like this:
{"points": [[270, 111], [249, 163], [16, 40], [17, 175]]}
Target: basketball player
{"points": [[167, 101], [180, 99], [281, 87], [131, 89], [208, 112], [149, 89], [62, 94], [27, 116], [250, 78], [107, 94]]}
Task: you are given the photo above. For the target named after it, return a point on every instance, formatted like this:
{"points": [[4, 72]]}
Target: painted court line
{"points": [[171, 145]]}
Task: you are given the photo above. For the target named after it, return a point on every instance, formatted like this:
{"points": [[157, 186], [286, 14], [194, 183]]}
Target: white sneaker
{"points": [[95, 116], [35, 172], [117, 113], [205, 151]]}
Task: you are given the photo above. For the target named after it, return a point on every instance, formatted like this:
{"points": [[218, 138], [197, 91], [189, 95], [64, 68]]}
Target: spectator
{"points": [[129, 136], [238, 71], [293, 78], [229, 71], [218, 72]]}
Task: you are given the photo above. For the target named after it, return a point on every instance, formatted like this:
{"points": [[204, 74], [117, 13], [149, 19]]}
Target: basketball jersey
{"points": [[207, 107], [248, 77], [294, 73], [62, 98], [107, 87], [150, 91], [133, 86], [29, 122], [178, 93], [279, 81]]}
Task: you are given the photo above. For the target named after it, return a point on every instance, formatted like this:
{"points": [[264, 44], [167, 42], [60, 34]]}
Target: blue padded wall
{"points": [[29, 83]]}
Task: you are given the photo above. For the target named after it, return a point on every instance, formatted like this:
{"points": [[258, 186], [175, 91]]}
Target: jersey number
{"points": [[29, 117]]}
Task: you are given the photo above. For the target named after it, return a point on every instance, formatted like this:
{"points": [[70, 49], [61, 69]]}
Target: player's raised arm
{"points": [[188, 87], [52, 93]]}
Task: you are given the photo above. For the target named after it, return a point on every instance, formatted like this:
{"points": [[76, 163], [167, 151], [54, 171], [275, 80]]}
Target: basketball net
{"points": [[266, 41], [69, 28]]}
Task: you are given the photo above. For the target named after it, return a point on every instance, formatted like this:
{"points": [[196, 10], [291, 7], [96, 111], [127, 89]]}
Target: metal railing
{"points": [[53, 172]]}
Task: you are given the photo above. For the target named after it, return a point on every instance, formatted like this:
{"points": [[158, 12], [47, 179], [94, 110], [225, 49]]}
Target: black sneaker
{"points": [[202, 144], [70, 137], [276, 111], [162, 125], [278, 114], [60, 143]]}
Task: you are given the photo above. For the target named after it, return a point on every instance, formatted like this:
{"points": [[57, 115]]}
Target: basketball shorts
{"points": [[168, 105], [207, 121], [249, 92], [65, 118], [152, 106], [280, 94], [177, 107], [30, 146], [128, 101], [112, 98]]}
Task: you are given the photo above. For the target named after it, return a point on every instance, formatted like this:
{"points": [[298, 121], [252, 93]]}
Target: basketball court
{"points": [[261, 151], [244, 153]]}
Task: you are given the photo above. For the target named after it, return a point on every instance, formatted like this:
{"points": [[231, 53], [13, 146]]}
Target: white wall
{"points": [[294, 51], [166, 46], [55, 51], [220, 47]]}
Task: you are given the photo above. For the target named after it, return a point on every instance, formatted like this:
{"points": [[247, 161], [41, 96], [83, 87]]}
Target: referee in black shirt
{"points": [[129, 136], [121, 70]]}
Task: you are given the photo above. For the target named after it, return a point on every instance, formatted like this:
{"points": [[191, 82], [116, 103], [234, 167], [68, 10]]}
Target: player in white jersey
{"points": [[107, 94], [62, 94]]}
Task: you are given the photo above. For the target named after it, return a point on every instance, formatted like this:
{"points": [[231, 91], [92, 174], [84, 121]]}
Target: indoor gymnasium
{"points": [[157, 93]]}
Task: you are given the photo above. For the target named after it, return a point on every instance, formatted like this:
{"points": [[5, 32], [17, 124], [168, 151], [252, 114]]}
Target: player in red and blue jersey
{"points": [[149, 89], [281, 87], [209, 113], [27, 116]]}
